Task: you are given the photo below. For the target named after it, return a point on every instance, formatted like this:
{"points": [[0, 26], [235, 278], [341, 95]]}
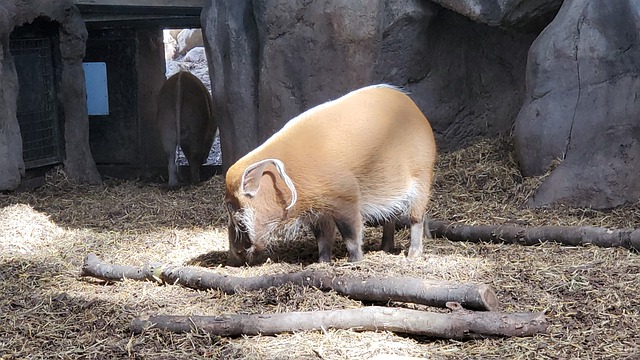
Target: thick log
{"points": [[458, 325], [575, 236], [402, 289]]}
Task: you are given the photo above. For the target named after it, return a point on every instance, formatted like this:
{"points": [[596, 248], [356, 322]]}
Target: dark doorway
{"points": [[114, 138], [35, 49]]}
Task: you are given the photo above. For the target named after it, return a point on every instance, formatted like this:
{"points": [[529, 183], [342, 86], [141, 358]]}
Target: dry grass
{"points": [[591, 295]]}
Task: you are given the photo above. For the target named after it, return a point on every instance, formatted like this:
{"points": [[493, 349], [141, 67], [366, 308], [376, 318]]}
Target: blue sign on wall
{"points": [[95, 78]]}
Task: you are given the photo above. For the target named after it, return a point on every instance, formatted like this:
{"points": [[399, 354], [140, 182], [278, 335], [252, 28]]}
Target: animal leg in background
{"points": [[324, 229], [388, 230]]}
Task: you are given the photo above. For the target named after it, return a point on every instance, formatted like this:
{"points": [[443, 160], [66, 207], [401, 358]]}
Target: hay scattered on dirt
{"points": [[25, 230], [591, 295]]}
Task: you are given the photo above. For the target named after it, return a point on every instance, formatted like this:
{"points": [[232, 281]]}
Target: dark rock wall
{"points": [[310, 52], [272, 59], [469, 82]]}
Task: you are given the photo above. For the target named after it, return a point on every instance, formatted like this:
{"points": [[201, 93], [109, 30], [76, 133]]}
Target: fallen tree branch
{"points": [[403, 289], [459, 325], [579, 235]]}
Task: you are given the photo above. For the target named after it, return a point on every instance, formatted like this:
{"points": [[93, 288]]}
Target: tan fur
{"points": [[366, 156]]}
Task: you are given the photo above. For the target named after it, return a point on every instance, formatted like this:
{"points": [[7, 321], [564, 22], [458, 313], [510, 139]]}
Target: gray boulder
{"points": [[188, 39], [583, 106]]}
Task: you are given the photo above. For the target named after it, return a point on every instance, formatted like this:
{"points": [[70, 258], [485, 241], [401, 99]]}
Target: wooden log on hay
{"points": [[403, 289], [458, 325], [568, 235]]}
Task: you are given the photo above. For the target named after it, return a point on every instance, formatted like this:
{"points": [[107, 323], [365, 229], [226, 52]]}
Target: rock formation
{"points": [[271, 60], [583, 106], [79, 164]]}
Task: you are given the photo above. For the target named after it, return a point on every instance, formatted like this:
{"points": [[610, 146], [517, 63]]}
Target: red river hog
{"points": [[365, 157], [185, 117]]}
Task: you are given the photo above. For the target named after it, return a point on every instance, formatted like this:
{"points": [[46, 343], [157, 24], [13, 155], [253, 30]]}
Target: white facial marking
{"points": [[246, 217]]}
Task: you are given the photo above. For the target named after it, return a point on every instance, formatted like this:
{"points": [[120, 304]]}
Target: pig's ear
{"points": [[253, 173], [251, 178]]}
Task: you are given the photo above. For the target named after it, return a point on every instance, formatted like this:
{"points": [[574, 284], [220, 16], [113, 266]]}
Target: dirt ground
{"points": [[590, 295]]}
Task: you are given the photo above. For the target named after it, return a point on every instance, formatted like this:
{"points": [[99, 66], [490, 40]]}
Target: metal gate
{"points": [[37, 110]]}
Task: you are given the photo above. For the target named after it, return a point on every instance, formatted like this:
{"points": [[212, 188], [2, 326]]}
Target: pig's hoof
{"points": [[414, 253], [387, 248]]}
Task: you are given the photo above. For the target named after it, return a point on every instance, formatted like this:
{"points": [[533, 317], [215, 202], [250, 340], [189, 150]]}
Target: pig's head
{"points": [[257, 203]]}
